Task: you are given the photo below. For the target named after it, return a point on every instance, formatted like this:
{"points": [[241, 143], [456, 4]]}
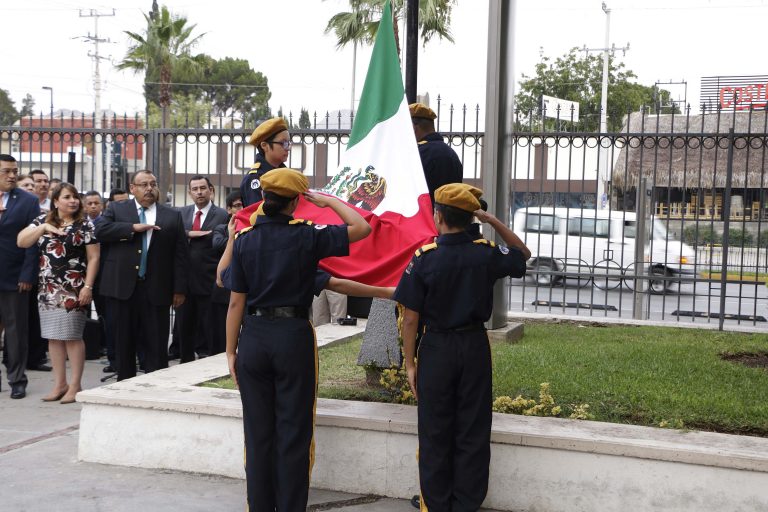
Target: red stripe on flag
{"points": [[381, 257]]}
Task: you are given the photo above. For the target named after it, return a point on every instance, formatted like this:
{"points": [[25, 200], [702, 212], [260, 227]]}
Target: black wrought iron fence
{"points": [[665, 220]]}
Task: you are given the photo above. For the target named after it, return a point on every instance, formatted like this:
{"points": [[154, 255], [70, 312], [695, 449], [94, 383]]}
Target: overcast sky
{"points": [[669, 40]]}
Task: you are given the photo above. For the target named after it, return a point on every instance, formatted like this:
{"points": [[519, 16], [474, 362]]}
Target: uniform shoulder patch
{"points": [[426, 248], [503, 249], [243, 231], [255, 168], [300, 221], [483, 241]]}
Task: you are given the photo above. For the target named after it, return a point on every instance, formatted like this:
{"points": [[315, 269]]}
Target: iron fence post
{"points": [[726, 228]]}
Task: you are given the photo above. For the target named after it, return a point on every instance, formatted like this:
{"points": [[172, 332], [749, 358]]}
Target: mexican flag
{"points": [[380, 175]]}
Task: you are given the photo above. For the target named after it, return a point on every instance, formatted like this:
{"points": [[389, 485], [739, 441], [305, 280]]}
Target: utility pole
{"points": [[603, 174], [98, 158]]}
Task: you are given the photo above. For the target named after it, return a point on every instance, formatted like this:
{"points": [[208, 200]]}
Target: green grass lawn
{"points": [[638, 375]]}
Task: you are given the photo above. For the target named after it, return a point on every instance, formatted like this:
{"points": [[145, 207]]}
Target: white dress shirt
{"points": [[150, 214]]}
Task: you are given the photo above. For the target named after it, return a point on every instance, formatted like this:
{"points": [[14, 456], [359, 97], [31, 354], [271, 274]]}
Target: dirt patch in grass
{"points": [[750, 359]]}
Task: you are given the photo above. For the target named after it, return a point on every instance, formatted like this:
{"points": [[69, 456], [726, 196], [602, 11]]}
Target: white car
{"points": [[598, 245]]}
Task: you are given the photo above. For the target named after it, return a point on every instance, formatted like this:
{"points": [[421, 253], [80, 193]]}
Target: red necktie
{"points": [[196, 223]]}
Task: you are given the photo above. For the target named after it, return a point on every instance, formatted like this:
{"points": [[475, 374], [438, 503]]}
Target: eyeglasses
{"points": [[285, 143]]}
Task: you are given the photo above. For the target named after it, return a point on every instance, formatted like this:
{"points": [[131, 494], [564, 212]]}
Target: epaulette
{"points": [[423, 142], [483, 241], [300, 221], [425, 248], [255, 168], [243, 231]]}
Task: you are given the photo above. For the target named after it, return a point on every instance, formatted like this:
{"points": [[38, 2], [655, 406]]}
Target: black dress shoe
{"points": [[40, 368], [109, 369], [18, 391], [416, 501]]}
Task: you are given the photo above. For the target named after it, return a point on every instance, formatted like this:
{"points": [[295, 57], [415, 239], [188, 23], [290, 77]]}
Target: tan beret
{"points": [[459, 195], [267, 129], [284, 182], [421, 110]]}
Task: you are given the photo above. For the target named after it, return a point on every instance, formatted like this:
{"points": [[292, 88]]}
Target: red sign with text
{"points": [[744, 97]]}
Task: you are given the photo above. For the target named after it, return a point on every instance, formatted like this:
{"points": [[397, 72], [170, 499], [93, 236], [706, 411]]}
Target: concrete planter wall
{"points": [[163, 420]]}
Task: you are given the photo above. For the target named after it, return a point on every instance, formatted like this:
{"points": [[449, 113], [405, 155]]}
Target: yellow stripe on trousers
{"points": [[314, 405]]}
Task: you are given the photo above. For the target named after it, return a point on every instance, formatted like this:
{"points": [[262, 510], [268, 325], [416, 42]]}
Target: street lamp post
{"points": [[50, 89]]}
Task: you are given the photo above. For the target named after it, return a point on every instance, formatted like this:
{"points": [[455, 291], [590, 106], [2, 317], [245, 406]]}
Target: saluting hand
{"points": [[141, 228], [318, 199], [50, 228], [483, 216]]}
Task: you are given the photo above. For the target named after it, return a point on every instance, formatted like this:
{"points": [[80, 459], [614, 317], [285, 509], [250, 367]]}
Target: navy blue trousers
{"points": [[455, 388], [277, 375]]}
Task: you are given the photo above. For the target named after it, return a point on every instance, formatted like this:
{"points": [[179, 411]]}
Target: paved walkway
{"points": [[39, 468]]}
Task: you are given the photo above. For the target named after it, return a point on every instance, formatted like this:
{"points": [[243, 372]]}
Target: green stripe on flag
{"points": [[383, 90]]}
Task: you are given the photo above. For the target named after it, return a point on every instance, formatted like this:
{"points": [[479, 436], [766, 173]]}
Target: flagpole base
{"points": [[512, 332]]}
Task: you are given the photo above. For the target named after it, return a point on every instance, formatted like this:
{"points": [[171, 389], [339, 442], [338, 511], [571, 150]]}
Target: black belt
{"points": [[279, 312], [477, 326]]}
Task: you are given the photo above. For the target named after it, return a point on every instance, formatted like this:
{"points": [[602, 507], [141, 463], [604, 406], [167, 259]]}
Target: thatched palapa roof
{"points": [[692, 151]]}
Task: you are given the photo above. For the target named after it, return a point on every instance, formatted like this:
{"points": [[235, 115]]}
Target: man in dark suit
{"points": [[20, 269], [441, 164], [145, 273], [220, 295], [199, 220]]}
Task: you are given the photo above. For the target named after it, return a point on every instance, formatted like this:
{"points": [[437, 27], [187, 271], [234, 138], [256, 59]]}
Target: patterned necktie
{"points": [[143, 260], [196, 222]]}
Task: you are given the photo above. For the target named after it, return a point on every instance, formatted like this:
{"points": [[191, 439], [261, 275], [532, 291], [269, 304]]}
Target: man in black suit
{"points": [[145, 273], [199, 220], [19, 270]]}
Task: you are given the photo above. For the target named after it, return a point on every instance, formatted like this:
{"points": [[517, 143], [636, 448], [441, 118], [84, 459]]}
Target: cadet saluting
{"points": [[275, 362], [273, 142], [449, 284]]}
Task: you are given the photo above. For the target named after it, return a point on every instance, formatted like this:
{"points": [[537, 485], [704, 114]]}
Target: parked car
{"points": [[583, 245]]}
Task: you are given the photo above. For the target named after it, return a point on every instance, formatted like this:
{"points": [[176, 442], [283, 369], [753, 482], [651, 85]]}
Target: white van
{"points": [[598, 245]]}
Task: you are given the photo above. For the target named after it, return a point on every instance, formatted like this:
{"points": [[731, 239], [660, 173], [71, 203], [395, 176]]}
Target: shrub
{"points": [[701, 235], [740, 238], [762, 240]]}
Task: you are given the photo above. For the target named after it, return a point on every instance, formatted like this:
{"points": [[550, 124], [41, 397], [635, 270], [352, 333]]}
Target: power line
{"points": [[212, 85]]}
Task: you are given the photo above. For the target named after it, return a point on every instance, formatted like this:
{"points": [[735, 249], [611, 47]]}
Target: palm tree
{"points": [[361, 23], [165, 46]]}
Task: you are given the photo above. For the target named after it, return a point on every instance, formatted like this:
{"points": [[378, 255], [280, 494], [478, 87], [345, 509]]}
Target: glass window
{"points": [[535, 223], [598, 228], [630, 229]]}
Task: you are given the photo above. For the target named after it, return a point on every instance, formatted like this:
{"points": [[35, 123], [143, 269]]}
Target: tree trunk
{"points": [[164, 172]]}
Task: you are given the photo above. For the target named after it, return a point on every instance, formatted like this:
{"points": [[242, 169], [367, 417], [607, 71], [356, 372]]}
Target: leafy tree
{"points": [[164, 47], [232, 86], [27, 106], [304, 122], [186, 110], [578, 77], [8, 112], [361, 24]]}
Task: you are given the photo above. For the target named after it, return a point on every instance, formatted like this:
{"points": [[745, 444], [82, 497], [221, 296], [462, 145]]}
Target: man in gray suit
{"points": [[199, 219]]}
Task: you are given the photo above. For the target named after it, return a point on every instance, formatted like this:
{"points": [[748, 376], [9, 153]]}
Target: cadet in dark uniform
{"points": [[273, 360], [273, 142], [441, 163], [449, 284]]}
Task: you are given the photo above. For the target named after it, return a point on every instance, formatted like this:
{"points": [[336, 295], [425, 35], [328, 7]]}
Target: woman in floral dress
{"points": [[69, 262]]}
